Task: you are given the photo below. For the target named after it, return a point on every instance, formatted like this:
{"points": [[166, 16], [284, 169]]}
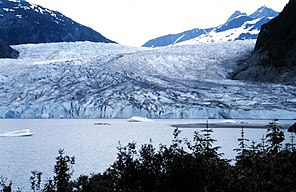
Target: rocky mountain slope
{"points": [[7, 52], [94, 80], [239, 26], [274, 56], [22, 22]]}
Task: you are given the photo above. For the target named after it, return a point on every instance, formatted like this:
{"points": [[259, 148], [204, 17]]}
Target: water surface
{"points": [[94, 142]]}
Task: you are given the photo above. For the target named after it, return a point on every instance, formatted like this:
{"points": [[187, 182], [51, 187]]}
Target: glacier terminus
{"points": [[97, 80]]}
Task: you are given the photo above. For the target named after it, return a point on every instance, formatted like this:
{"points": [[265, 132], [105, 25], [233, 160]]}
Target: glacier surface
{"points": [[95, 80]]}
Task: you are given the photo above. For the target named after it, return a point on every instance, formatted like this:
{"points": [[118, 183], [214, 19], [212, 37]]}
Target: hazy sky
{"points": [[133, 22]]}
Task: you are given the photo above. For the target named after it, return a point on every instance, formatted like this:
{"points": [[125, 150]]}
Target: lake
{"points": [[94, 142]]}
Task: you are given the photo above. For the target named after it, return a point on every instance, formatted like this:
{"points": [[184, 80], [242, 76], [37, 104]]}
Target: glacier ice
{"points": [[95, 80]]}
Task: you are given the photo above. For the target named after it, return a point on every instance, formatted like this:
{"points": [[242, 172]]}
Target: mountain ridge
{"points": [[176, 38], [239, 26], [22, 22], [264, 12], [236, 14]]}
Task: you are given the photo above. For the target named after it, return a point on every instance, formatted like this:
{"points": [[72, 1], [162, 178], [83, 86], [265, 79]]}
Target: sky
{"points": [[134, 22]]}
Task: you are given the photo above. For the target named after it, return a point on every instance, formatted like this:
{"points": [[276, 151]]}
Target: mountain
{"points": [[99, 80], [264, 12], [235, 15], [175, 38], [22, 22], [274, 56], [7, 52], [239, 26]]}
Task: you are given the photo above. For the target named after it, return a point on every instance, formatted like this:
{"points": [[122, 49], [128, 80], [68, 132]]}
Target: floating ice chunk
{"points": [[228, 121], [138, 119], [20, 133]]}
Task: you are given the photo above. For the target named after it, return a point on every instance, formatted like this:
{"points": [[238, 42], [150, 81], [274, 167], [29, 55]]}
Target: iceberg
{"points": [[19, 133], [138, 119], [228, 121]]}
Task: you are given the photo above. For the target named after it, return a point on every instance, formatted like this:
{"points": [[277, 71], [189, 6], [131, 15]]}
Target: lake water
{"points": [[94, 142]]}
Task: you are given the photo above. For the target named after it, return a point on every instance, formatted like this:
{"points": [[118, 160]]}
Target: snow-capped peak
{"points": [[264, 12], [239, 26], [236, 14]]}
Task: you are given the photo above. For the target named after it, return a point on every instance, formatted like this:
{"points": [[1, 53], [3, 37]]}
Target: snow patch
{"points": [[8, 10]]}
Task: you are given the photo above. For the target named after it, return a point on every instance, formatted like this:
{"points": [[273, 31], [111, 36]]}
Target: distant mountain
{"points": [[274, 56], [264, 12], [235, 15], [7, 52], [176, 38], [22, 22], [239, 26]]}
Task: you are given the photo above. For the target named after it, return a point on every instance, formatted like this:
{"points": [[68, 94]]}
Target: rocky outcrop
{"points": [[274, 55], [7, 52]]}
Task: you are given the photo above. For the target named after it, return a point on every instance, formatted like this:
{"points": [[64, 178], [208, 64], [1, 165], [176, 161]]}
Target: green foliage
{"points": [[265, 166], [242, 150], [49, 186], [35, 180], [274, 137], [3, 186], [63, 172], [62, 178], [171, 168], [292, 144], [205, 143]]}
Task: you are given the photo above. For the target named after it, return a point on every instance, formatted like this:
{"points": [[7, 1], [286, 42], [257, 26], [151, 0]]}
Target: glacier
{"points": [[97, 80]]}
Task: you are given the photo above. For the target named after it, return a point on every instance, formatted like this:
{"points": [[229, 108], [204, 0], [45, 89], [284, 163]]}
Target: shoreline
{"points": [[226, 125]]}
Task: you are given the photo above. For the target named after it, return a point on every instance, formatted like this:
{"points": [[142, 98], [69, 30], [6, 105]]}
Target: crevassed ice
{"points": [[96, 80]]}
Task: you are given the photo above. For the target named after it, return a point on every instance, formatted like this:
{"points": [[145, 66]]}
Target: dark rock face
{"points": [[22, 22], [7, 52], [274, 56], [277, 39]]}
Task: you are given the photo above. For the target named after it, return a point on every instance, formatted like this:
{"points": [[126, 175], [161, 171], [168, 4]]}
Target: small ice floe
{"points": [[228, 121], [231, 121], [20, 133], [99, 123], [138, 119]]}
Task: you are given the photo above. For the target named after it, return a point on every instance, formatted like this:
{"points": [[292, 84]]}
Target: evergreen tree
{"points": [[4, 186], [63, 172], [274, 137], [36, 181]]}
